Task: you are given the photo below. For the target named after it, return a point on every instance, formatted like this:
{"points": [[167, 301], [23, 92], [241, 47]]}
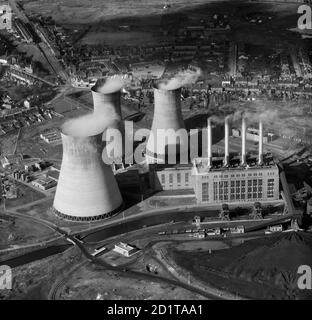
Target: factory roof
{"points": [[124, 246], [164, 166], [201, 164]]}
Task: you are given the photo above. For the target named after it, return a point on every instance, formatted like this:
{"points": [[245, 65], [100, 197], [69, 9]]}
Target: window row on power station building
{"points": [[261, 185], [172, 177], [215, 186]]}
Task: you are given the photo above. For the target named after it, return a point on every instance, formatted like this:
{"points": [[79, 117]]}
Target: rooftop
{"points": [[124, 246], [165, 166], [201, 164]]}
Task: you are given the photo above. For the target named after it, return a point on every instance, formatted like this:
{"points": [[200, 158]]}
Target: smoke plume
{"points": [[111, 84], [88, 125], [181, 79]]}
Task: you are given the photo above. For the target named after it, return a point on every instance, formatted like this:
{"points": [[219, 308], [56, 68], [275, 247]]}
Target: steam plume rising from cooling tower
{"points": [[111, 84], [181, 79], [88, 125]]}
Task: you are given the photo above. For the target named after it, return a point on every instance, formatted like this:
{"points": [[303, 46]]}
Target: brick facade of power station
{"points": [[237, 185]]}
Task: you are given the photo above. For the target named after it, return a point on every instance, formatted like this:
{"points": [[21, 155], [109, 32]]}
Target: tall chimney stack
{"points": [[243, 161], [209, 143], [260, 160], [226, 143]]}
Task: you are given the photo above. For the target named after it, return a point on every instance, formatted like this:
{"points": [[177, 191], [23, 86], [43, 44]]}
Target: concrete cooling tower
{"points": [[106, 94], [167, 116], [87, 189], [106, 99]]}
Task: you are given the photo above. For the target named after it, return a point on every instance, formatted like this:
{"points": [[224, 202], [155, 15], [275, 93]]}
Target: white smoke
{"points": [[111, 84], [88, 125], [181, 79], [283, 118]]}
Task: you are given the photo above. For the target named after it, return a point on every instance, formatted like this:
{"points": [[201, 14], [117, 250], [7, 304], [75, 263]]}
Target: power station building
{"points": [[240, 179], [87, 189], [222, 179], [214, 180]]}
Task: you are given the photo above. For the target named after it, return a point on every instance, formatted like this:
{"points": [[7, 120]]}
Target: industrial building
{"points": [[44, 183], [170, 177], [11, 159], [124, 249], [244, 179], [6, 17], [51, 137], [252, 134], [167, 121], [225, 179]]}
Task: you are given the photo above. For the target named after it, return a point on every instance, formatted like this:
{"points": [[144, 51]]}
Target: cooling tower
{"points": [[106, 101], [167, 122], [87, 189]]}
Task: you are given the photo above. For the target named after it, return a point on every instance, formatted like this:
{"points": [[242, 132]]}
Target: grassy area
{"points": [[22, 232], [25, 195], [87, 284]]}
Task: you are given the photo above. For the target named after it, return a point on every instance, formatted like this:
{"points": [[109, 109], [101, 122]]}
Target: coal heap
{"points": [[271, 262]]}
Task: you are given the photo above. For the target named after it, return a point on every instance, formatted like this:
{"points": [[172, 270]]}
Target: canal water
{"points": [[35, 255]]}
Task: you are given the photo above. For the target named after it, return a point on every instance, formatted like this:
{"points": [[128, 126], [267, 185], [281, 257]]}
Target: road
{"points": [[43, 47], [134, 274], [52, 60], [128, 273], [30, 75], [120, 269]]}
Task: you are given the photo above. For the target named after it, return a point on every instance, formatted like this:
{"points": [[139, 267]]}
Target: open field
{"points": [[34, 280], [87, 284], [21, 231], [25, 195], [96, 10], [79, 11]]}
